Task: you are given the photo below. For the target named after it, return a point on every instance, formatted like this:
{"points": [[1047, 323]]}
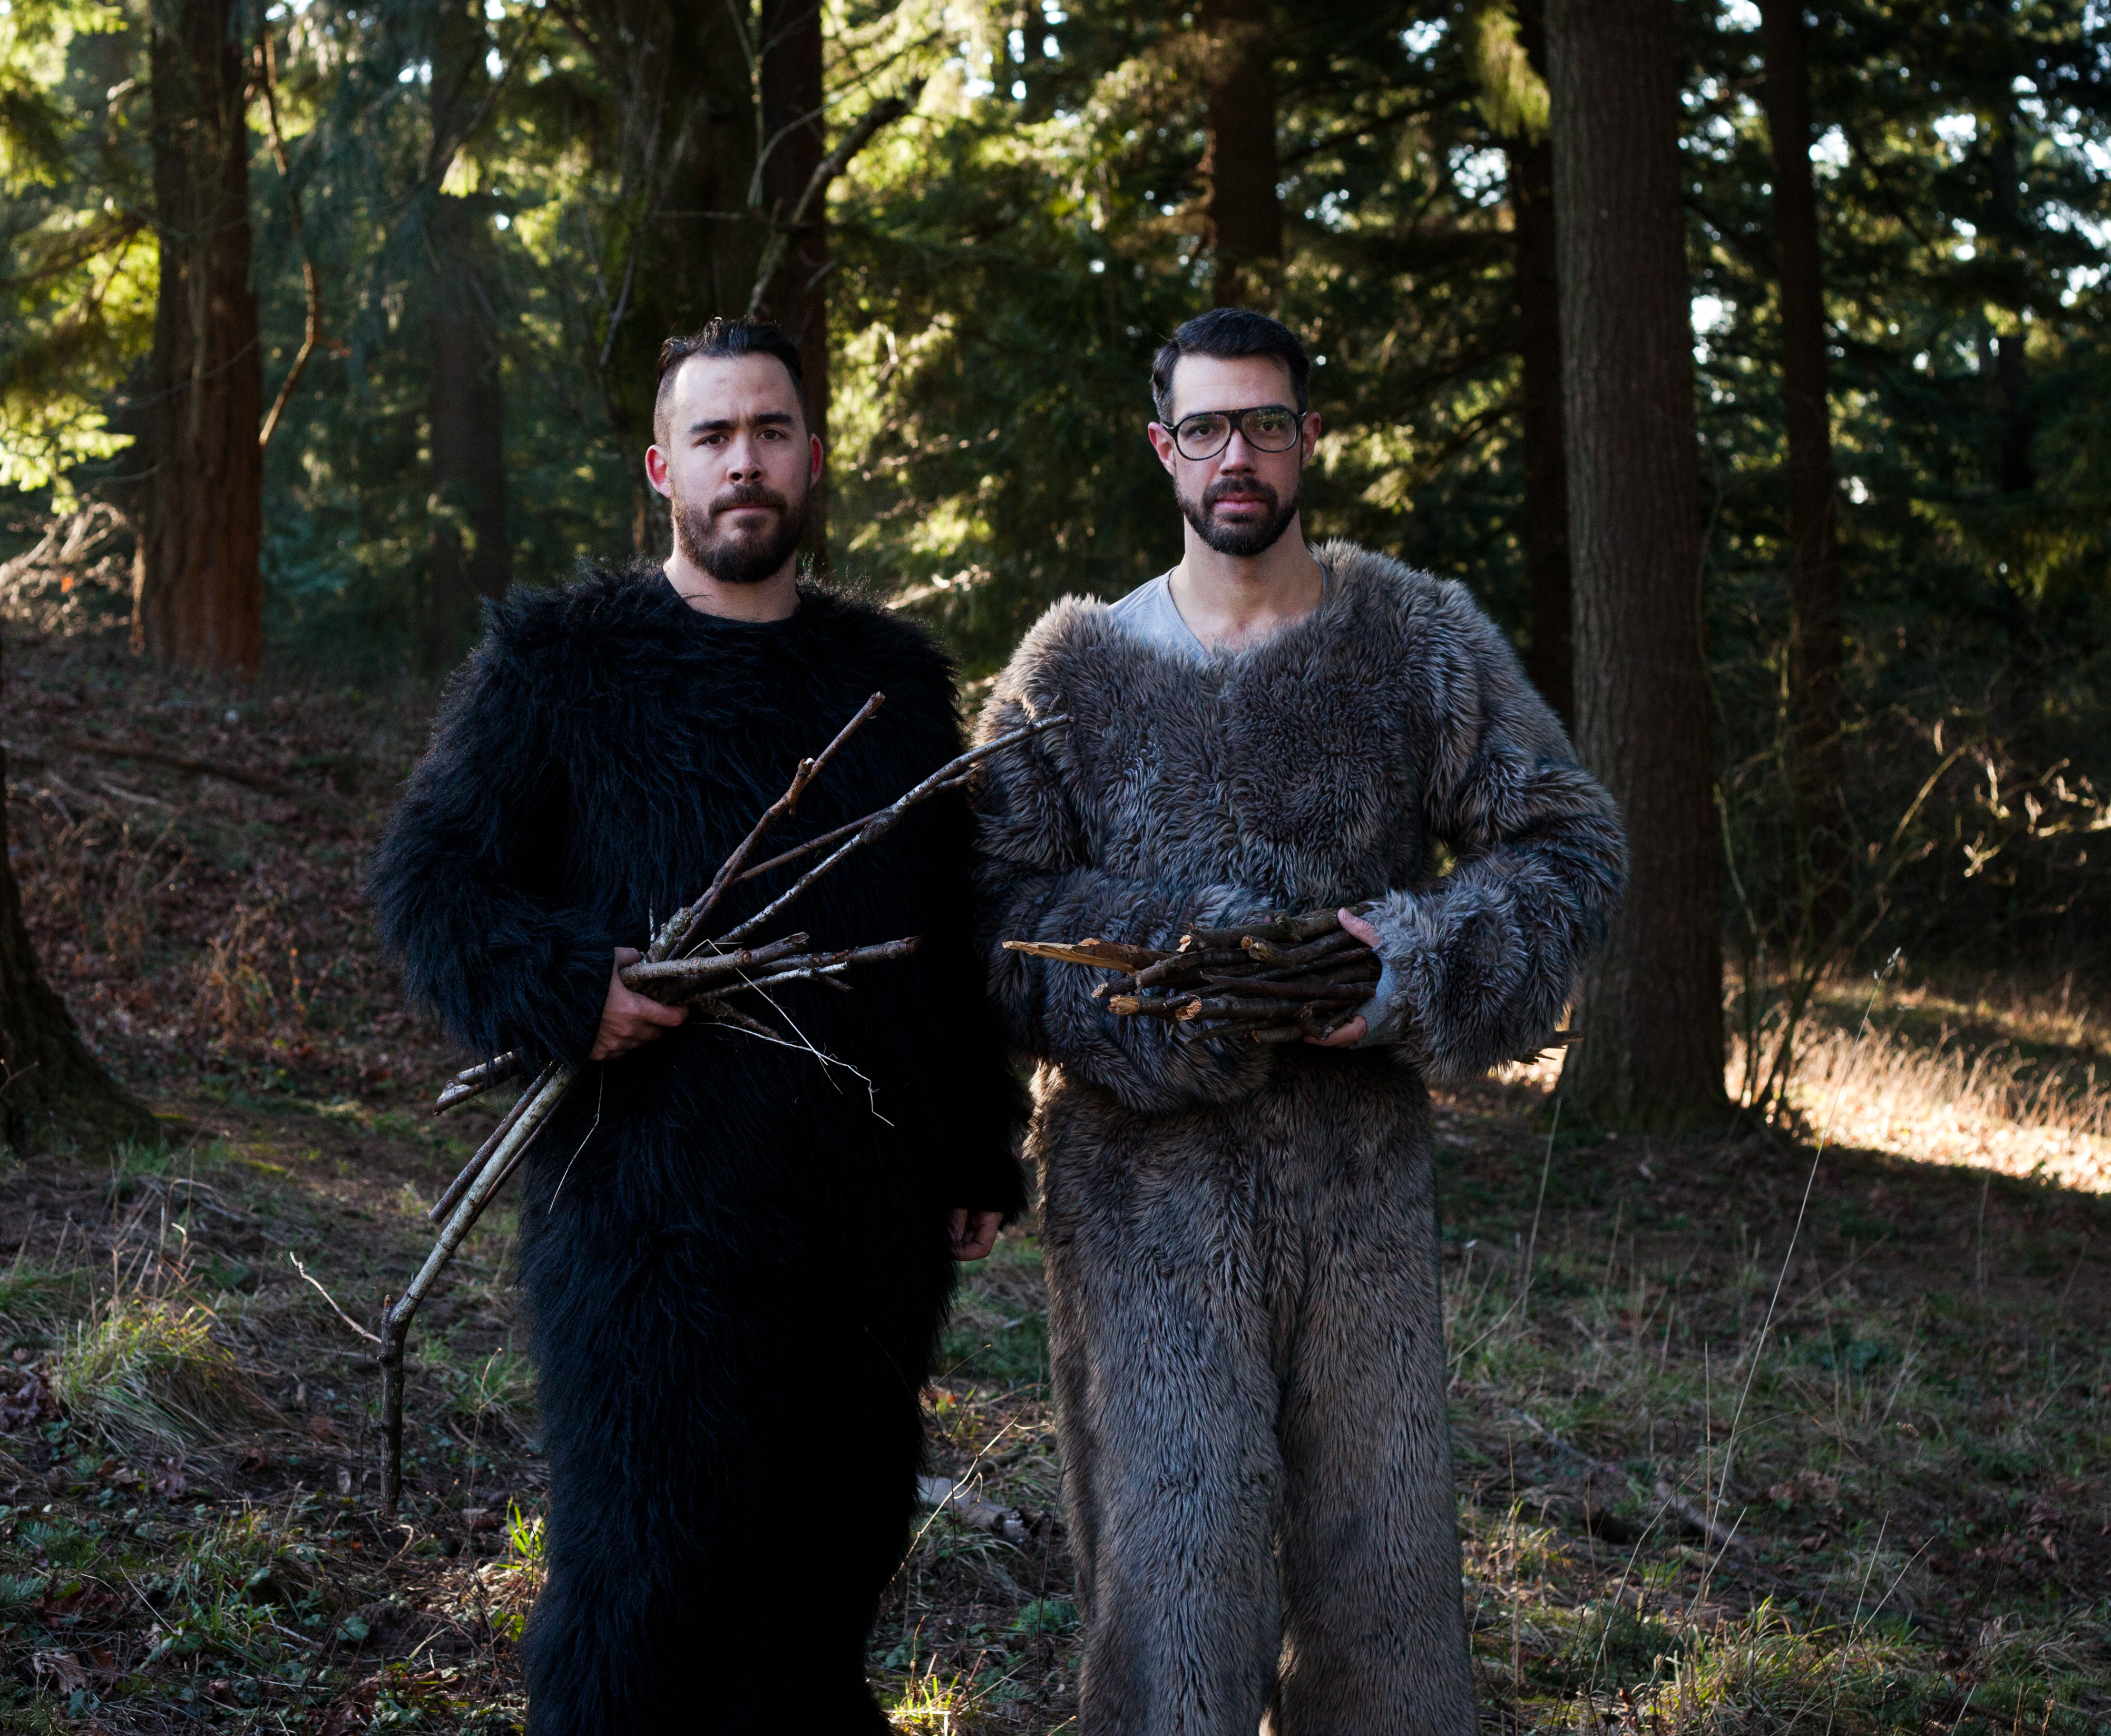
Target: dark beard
{"points": [[733, 557], [1239, 539]]}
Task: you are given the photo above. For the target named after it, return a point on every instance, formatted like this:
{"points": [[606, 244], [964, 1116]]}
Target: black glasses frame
{"points": [[1237, 418]]}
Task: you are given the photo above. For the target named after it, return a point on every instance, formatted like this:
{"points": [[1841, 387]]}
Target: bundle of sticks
{"points": [[1276, 978], [680, 966]]}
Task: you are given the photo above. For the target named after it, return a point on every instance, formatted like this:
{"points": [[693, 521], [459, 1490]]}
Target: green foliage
{"points": [[77, 270], [1006, 259]]}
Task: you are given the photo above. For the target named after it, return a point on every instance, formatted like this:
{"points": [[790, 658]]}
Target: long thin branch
{"points": [[678, 925], [877, 826], [474, 1081], [396, 1323], [497, 1136], [310, 1278], [821, 964], [693, 974], [887, 109]]}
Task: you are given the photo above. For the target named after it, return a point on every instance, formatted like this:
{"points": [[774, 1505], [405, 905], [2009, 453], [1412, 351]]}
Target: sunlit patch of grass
{"points": [[145, 1373], [1991, 1108]]}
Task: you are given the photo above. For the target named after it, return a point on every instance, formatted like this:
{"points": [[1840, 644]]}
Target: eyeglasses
{"points": [[1267, 428]]}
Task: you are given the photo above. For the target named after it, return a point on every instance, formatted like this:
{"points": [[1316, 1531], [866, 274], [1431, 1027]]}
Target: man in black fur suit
{"points": [[736, 1257]]}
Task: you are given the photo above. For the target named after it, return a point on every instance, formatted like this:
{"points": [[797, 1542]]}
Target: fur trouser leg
{"points": [[1248, 1333], [731, 1478]]}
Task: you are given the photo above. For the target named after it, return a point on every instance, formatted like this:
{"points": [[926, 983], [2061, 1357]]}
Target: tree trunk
{"points": [[471, 556], [687, 148], [1241, 218], [1652, 1003], [1818, 762], [51, 1089], [798, 298], [1550, 660], [197, 596]]}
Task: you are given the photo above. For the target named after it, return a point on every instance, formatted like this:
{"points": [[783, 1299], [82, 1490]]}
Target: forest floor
{"points": [[1750, 1436]]}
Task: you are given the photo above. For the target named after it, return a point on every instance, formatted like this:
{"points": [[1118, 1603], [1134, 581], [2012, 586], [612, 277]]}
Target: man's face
{"points": [[738, 465], [1242, 499]]}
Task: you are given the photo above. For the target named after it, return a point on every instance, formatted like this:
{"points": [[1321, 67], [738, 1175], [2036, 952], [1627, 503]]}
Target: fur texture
{"points": [[1246, 1324], [736, 1260]]}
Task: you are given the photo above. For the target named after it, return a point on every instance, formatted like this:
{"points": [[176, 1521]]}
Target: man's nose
{"points": [[1237, 456], [746, 466]]}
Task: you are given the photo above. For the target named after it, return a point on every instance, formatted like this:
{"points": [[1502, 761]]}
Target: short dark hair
{"points": [[1224, 332], [745, 336]]}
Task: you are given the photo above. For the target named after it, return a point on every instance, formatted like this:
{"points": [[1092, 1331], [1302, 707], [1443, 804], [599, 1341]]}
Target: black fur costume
{"points": [[736, 1261]]}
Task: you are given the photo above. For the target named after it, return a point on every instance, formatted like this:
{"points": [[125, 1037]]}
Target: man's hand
{"points": [[1348, 1035], [629, 1020], [975, 1233]]}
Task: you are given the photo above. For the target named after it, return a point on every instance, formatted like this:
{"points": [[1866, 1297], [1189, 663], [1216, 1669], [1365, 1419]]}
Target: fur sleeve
{"points": [[1480, 965], [1036, 882], [461, 882]]}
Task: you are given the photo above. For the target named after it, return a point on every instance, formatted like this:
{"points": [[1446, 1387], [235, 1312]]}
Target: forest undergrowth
{"points": [[1746, 1442]]}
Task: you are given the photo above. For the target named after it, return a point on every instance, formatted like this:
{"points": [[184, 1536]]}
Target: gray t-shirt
{"points": [[1149, 612]]}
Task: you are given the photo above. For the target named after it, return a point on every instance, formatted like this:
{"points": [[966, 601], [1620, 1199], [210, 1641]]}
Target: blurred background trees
{"points": [[460, 229]]}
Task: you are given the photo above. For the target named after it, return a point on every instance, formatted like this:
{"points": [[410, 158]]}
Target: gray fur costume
{"points": [[1242, 1242]]}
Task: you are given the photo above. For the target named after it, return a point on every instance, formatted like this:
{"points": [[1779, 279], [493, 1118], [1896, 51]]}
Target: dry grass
{"points": [[1992, 1108], [1999, 1073], [150, 1375]]}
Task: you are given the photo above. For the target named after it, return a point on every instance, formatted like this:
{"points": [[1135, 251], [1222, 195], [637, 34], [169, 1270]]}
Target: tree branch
{"points": [[880, 114]]}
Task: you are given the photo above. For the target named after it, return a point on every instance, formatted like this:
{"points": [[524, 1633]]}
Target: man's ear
{"points": [[655, 471], [814, 460], [1161, 442]]}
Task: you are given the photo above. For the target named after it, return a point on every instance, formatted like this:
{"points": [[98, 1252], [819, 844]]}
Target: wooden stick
{"points": [[821, 965], [678, 925], [1284, 927], [701, 968], [1263, 951], [263, 780], [878, 825], [474, 1081], [1232, 1006], [843, 831], [1191, 964], [461, 1185], [396, 1323], [1192, 1030], [1100, 954], [1148, 1006], [1353, 993]]}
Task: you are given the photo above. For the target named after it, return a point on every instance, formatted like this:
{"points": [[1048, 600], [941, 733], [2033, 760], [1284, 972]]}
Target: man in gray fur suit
{"points": [[1242, 1241]]}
